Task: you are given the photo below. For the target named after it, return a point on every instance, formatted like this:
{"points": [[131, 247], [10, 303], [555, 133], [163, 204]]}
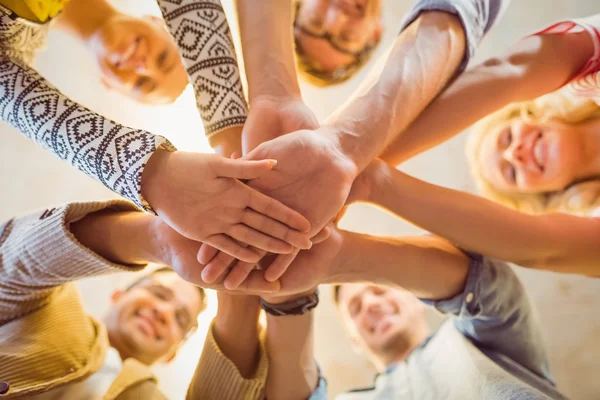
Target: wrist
{"points": [[227, 142], [347, 144], [152, 176], [273, 299]]}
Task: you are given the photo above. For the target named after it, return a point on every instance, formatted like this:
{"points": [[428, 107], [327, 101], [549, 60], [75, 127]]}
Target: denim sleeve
{"points": [[495, 312], [320, 392], [477, 18]]}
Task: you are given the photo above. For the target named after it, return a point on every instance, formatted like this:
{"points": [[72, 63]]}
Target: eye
{"points": [[162, 57], [140, 82], [506, 138], [354, 308], [181, 320], [157, 292], [510, 173]]}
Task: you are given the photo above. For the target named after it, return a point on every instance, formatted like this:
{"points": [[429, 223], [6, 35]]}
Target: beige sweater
{"points": [[46, 338]]}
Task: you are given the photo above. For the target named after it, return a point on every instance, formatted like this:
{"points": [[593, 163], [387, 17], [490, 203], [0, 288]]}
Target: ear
{"points": [[378, 32], [116, 295], [154, 20]]}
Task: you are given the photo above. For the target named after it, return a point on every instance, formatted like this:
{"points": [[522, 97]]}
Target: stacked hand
{"points": [[201, 197]]}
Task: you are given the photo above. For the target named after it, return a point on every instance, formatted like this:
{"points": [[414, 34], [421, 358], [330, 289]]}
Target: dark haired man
{"points": [[51, 348]]}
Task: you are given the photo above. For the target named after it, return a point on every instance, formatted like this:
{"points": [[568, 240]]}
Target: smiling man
{"points": [[51, 348]]}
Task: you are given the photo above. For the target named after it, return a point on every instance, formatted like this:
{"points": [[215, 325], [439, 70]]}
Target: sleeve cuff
{"points": [[474, 24], [136, 179], [219, 377], [463, 305]]}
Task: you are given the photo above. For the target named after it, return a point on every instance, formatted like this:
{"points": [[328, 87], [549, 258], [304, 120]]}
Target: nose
{"points": [[141, 66], [163, 313], [516, 153]]}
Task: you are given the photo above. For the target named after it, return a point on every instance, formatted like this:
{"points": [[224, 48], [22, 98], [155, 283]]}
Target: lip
{"points": [[538, 152], [147, 326], [383, 326], [129, 55]]}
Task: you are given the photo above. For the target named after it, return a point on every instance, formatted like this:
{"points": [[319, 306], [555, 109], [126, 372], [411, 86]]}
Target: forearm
{"points": [[210, 63], [420, 63], [429, 267], [119, 237], [293, 372], [533, 67], [267, 45], [553, 241], [236, 331], [84, 139], [39, 252]]}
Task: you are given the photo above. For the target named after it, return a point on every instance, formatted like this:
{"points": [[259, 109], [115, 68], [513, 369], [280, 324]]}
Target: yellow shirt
{"points": [[35, 10]]}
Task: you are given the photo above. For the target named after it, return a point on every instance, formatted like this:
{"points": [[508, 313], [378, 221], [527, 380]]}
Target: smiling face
{"points": [[138, 58], [149, 321], [385, 321], [334, 33], [531, 158]]}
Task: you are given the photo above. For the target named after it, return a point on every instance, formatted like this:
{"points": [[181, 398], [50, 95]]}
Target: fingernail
{"points": [[310, 245], [273, 163]]}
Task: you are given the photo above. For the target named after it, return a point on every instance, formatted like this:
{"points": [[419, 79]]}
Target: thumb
{"points": [[243, 169]]}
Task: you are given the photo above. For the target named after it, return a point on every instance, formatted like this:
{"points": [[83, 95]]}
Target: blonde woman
{"points": [[539, 156]]}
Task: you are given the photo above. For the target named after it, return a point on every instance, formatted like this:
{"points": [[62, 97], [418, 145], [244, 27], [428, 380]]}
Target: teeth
{"points": [[537, 152]]}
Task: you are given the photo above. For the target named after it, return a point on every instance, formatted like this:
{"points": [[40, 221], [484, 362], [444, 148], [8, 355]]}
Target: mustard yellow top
{"points": [[35, 10]]}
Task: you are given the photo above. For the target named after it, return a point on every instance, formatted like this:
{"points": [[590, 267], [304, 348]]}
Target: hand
{"points": [[168, 247], [274, 116], [309, 269], [199, 196], [369, 182], [312, 177]]}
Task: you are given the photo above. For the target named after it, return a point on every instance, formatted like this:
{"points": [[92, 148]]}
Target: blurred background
{"points": [[32, 178]]}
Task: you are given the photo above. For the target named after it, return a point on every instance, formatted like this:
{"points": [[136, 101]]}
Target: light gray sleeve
{"points": [[477, 18]]}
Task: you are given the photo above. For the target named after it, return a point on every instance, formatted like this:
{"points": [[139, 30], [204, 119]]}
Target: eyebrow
{"points": [[162, 59]]}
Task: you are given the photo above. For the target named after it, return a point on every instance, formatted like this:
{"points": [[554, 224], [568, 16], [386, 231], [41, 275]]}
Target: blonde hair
{"points": [[579, 198]]}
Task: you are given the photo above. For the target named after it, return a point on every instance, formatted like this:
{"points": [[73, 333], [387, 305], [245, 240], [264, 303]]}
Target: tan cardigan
{"points": [[46, 338]]}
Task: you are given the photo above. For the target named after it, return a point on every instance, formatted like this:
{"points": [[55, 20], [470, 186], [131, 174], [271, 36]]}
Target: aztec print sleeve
{"points": [[201, 32], [113, 154], [587, 82]]}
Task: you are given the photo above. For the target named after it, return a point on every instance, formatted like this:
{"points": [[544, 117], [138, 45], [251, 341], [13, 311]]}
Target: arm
{"points": [[233, 364], [556, 242], [32, 250], [276, 106], [419, 64], [534, 66], [201, 31], [293, 372]]}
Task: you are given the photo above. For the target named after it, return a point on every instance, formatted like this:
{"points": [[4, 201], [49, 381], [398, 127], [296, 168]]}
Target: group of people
{"points": [[257, 220]]}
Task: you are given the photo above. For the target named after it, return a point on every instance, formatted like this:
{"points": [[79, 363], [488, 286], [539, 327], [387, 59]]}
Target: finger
{"points": [[276, 229], [231, 247], [256, 283], [238, 274], [242, 169], [259, 240], [280, 265], [264, 204], [322, 236], [206, 253], [216, 267]]}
